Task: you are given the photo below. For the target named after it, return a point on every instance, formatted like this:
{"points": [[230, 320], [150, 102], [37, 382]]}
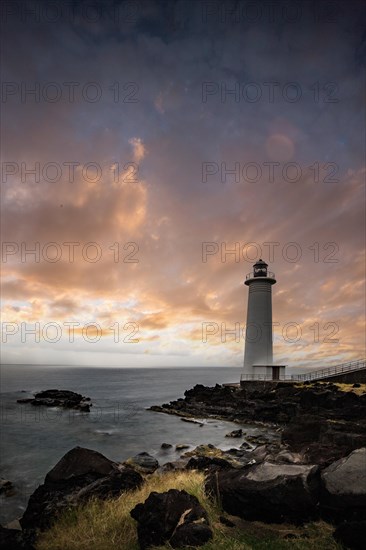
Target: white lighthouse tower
{"points": [[258, 357]]}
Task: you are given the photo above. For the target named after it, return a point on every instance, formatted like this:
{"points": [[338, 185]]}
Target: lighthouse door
{"points": [[275, 373]]}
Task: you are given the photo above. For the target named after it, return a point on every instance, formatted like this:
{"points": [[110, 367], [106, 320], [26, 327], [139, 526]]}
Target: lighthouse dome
{"points": [[260, 268]]}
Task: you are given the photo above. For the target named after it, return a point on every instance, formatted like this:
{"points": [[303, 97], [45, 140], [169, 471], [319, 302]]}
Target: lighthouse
{"points": [[258, 356]]}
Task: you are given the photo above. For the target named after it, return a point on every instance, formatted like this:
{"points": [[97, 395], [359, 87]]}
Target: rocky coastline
{"points": [[323, 421], [313, 470]]}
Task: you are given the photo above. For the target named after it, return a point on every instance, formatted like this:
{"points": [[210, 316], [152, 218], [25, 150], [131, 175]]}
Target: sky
{"points": [[152, 151]]}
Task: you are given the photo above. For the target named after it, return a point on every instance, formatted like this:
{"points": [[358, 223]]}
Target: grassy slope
{"points": [[101, 525]]}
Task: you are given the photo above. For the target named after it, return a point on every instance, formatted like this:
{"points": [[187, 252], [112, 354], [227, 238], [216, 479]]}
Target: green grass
{"points": [[100, 525]]}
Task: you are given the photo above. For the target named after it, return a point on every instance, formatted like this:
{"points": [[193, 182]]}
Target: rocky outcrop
{"points": [[343, 495], [59, 398], [318, 418], [268, 492], [175, 517], [143, 463], [80, 475]]}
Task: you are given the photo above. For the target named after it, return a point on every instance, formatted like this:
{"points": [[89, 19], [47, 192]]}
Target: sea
{"points": [[33, 439]]}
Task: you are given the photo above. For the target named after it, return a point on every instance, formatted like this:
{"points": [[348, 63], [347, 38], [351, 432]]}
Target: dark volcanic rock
{"points": [[110, 486], [235, 433], [14, 539], [268, 492], [207, 463], [79, 462], [343, 493], [191, 534], [81, 474], [59, 398], [319, 415], [175, 517], [351, 534]]}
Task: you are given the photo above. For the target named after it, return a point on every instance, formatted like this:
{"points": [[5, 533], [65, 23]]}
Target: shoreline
{"points": [[319, 434]]}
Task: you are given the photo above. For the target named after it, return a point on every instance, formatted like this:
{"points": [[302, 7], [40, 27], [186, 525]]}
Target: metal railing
{"points": [[251, 275], [265, 377], [351, 366], [332, 371]]}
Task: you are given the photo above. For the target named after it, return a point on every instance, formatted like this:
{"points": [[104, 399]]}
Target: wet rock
{"points": [[235, 433], [343, 494], [59, 398], [181, 446], [143, 463], [268, 492], [166, 446], [351, 534], [174, 517]]}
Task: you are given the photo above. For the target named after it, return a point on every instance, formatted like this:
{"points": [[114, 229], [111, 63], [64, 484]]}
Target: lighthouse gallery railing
{"points": [[251, 275]]}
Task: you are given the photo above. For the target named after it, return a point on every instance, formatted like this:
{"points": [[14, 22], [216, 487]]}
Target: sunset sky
{"points": [[156, 127]]}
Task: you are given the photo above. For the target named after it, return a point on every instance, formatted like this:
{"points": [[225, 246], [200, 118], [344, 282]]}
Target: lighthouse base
{"points": [[266, 372]]}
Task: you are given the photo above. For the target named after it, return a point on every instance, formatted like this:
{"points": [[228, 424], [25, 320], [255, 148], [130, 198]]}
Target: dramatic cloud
{"points": [[152, 151]]}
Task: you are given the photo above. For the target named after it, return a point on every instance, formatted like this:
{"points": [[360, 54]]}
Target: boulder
{"points": [[143, 462], [174, 517], [343, 488], [268, 492], [79, 462], [351, 534], [166, 446], [80, 474]]}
